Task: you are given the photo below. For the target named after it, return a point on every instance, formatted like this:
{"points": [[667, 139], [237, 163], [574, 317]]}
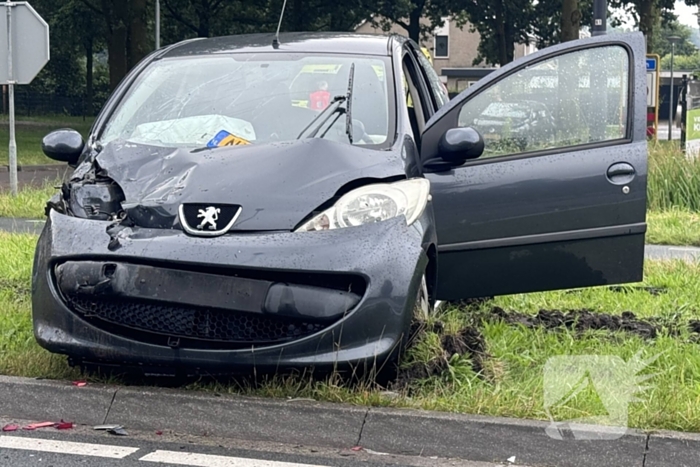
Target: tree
{"points": [[501, 24], [649, 15], [681, 62], [125, 26], [570, 20], [60, 84], [418, 17], [662, 45], [206, 18]]}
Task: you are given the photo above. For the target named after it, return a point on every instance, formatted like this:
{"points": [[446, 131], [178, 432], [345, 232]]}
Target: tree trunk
{"points": [[138, 32], [414, 24], [89, 88], [500, 36], [298, 15], [509, 42], [116, 15], [648, 17], [203, 12], [570, 20]]}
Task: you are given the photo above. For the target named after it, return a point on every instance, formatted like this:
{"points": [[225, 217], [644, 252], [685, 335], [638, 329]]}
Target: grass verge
{"points": [[19, 353], [674, 179], [516, 345], [674, 226], [29, 202], [29, 133]]}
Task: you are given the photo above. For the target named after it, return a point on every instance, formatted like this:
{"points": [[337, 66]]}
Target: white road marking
{"points": [[65, 447], [208, 460]]}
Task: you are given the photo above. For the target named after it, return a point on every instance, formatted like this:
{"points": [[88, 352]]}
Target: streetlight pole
{"points": [[600, 17], [157, 24], [672, 40]]}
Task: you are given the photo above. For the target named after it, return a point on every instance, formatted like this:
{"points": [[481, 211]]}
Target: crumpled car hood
{"points": [[277, 184]]}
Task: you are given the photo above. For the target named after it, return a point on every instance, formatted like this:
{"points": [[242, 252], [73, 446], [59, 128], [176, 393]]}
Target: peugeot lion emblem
{"points": [[206, 220], [210, 215]]}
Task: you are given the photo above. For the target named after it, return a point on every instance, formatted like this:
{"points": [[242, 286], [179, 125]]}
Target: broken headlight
{"points": [[374, 203]]}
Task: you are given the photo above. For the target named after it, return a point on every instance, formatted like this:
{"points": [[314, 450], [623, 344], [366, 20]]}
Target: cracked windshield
{"points": [[555, 103], [246, 99]]}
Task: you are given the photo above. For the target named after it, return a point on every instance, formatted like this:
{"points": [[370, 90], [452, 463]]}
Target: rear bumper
{"points": [[388, 258]]}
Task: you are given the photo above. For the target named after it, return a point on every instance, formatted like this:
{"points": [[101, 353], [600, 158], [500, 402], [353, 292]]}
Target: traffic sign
{"points": [[30, 42], [24, 50], [652, 63]]}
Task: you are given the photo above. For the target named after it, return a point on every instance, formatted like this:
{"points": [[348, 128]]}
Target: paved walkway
{"points": [[33, 176]]}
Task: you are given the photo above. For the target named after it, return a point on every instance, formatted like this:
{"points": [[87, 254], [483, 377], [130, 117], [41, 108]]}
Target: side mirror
{"points": [[458, 145], [64, 145]]}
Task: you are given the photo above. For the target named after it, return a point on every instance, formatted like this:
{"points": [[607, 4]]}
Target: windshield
{"points": [[240, 99]]}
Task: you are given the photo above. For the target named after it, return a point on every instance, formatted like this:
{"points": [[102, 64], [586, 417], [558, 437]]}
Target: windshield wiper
{"points": [[319, 120], [348, 104], [334, 108]]}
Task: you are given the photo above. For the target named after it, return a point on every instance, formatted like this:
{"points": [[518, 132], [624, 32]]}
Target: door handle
{"points": [[620, 173]]}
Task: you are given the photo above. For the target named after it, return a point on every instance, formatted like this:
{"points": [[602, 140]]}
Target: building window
{"points": [[442, 41]]}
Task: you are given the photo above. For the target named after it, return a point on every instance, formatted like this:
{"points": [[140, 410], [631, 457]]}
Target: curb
{"points": [[310, 423]]}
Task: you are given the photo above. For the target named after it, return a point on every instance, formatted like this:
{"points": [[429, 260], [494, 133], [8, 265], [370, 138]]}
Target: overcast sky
{"points": [[686, 14]]}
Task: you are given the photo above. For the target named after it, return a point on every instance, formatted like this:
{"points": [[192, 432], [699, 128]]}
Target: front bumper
{"points": [[387, 258]]}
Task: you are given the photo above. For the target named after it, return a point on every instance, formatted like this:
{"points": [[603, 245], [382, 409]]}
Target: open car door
{"points": [[558, 197]]}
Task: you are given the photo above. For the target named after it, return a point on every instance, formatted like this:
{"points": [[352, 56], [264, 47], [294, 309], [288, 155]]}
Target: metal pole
{"points": [[600, 17], [157, 24], [670, 100], [684, 110], [11, 90]]}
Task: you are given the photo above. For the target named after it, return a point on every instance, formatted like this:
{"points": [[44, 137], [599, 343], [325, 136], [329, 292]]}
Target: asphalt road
{"points": [[82, 448]]}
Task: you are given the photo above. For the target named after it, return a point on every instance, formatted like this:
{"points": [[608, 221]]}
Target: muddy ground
{"points": [[470, 343]]}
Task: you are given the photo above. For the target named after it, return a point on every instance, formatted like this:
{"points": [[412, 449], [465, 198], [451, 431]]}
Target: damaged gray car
{"points": [[246, 203]]}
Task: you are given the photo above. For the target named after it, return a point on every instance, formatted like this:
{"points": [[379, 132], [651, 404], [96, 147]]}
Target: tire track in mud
{"points": [[469, 342]]}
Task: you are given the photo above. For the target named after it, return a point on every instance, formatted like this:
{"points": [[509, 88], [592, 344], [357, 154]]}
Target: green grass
{"points": [[514, 387], [29, 202], [674, 179], [19, 353], [512, 380], [29, 133], [511, 383], [673, 227], [680, 299]]}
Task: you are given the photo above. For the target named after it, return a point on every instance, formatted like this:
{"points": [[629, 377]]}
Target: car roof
{"points": [[295, 42]]}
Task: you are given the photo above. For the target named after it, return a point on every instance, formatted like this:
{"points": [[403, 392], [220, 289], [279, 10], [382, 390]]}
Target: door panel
{"points": [[558, 199]]}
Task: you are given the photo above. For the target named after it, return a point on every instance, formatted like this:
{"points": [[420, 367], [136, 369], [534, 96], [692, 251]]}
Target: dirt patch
{"points": [[467, 342], [580, 321]]}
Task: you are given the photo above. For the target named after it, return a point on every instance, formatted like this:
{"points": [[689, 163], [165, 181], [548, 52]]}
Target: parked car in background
{"points": [[518, 122]]}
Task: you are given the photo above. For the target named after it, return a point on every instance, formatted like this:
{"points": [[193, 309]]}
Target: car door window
{"points": [[418, 103], [555, 103], [437, 89]]}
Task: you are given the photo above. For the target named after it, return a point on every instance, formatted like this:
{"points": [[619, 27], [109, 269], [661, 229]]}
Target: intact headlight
{"points": [[374, 203]]}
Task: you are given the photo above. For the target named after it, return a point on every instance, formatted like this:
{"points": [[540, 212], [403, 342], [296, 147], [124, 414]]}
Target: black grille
{"points": [[158, 320]]}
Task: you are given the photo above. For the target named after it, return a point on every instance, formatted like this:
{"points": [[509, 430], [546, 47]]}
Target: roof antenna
{"points": [[276, 40]]}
